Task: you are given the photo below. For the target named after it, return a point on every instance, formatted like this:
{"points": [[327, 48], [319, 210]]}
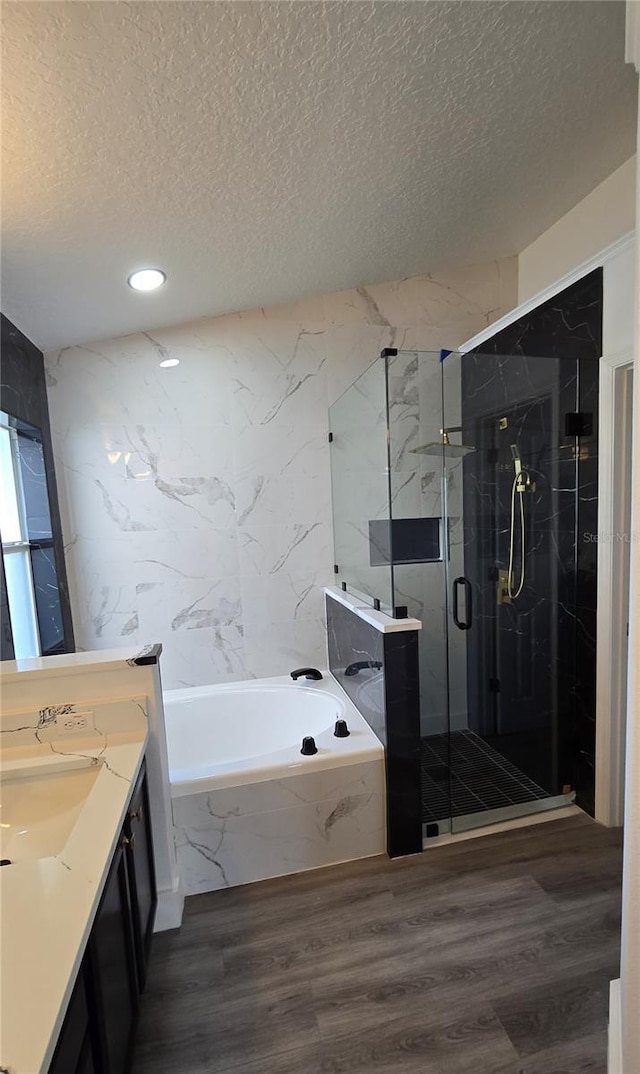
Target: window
{"points": [[27, 542]]}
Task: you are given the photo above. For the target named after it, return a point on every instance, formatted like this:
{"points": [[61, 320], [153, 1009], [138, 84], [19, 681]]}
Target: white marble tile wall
{"points": [[242, 834], [196, 500]]}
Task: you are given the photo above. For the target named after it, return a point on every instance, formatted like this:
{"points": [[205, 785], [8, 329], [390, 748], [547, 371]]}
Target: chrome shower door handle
{"points": [[468, 603]]}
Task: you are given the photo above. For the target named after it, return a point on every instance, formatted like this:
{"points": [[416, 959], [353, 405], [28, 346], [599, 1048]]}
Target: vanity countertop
{"points": [[47, 905]]}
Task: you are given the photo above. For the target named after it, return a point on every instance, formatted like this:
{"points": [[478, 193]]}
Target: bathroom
{"points": [[393, 490]]}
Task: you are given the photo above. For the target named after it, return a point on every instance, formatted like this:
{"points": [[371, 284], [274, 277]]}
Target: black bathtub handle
{"points": [[468, 601], [363, 665], [309, 673]]}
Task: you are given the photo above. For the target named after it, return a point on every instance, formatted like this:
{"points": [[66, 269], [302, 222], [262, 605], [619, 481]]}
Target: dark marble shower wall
{"points": [[23, 395], [537, 370], [388, 696]]}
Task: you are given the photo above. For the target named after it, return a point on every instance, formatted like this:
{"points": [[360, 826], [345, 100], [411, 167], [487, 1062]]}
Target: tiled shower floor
{"points": [[476, 776]]}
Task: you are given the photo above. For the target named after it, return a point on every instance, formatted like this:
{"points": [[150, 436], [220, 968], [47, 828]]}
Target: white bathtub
{"points": [[247, 804], [247, 732]]}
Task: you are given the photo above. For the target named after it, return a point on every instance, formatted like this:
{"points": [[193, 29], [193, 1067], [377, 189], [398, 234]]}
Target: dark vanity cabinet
{"points": [[112, 968], [75, 1053], [142, 886], [97, 1034]]}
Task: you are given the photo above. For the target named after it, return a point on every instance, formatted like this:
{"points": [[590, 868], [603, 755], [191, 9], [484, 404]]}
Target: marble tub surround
{"points": [[48, 904], [196, 500], [238, 821], [238, 835], [388, 696]]}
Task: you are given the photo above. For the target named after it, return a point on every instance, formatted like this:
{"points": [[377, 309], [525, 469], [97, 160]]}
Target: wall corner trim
{"points": [[149, 655]]}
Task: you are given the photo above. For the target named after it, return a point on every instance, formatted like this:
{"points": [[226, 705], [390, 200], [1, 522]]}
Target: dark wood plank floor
{"points": [[490, 956]]}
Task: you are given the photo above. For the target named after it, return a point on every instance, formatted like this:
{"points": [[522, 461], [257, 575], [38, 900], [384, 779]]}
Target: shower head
{"points": [[437, 447], [517, 461]]}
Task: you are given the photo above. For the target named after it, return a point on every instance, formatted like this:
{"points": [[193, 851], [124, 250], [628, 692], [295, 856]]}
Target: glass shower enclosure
{"points": [[455, 493]]}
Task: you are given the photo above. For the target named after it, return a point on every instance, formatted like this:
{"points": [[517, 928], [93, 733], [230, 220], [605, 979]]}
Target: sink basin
{"points": [[39, 808]]}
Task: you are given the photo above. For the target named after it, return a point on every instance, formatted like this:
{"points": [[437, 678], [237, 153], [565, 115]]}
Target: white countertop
{"points": [[12, 670], [47, 906]]}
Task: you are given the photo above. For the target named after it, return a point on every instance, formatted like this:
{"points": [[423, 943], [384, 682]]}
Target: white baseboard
{"points": [[169, 910], [614, 1063]]}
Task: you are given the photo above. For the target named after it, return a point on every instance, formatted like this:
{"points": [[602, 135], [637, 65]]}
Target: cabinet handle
{"points": [[137, 814]]}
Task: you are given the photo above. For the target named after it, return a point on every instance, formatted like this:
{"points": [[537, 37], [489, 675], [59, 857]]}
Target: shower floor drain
{"points": [[462, 774]]}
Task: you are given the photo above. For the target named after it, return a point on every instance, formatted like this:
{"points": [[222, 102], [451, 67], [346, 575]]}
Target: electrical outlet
{"points": [[73, 722]]}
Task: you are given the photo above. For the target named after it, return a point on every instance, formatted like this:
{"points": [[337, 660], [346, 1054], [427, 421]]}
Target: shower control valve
{"points": [[503, 587]]}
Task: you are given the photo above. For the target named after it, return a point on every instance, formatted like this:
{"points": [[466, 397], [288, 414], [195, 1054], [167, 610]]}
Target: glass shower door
{"points": [[510, 498], [360, 489], [421, 541]]}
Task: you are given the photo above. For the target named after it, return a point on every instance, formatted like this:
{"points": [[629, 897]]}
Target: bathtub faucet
{"points": [[362, 665], [309, 673]]}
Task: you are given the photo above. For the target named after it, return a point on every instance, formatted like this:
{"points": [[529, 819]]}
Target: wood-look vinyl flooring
{"points": [[489, 956]]}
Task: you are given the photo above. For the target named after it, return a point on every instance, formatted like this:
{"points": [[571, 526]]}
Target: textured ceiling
{"points": [[261, 152]]}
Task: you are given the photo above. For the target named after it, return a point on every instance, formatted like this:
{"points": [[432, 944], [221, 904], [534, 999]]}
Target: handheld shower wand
{"points": [[517, 461], [521, 483]]}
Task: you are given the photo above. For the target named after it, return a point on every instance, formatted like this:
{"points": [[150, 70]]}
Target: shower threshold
{"points": [[466, 783]]}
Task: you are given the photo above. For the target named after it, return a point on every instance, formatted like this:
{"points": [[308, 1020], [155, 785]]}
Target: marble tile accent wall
{"points": [[238, 835], [547, 360], [196, 500]]}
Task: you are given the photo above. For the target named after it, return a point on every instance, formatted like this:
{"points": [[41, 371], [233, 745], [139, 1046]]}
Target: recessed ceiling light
{"points": [[146, 279], [169, 362]]}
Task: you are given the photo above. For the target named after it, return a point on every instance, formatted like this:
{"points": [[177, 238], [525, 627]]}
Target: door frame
{"points": [[614, 468]]}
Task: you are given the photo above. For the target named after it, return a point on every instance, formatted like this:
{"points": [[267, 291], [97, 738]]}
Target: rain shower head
{"points": [[437, 447]]}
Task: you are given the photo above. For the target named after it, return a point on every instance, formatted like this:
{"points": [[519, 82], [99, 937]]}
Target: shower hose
{"points": [[517, 489]]}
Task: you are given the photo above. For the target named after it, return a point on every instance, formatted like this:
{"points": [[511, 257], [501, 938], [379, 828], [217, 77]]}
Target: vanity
{"points": [[98, 1030], [83, 830]]}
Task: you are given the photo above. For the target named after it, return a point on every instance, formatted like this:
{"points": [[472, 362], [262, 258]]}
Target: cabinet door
{"points": [[142, 881], [74, 1035], [113, 972]]}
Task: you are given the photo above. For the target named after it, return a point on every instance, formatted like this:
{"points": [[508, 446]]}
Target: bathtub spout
{"points": [[309, 673], [362, 665]]}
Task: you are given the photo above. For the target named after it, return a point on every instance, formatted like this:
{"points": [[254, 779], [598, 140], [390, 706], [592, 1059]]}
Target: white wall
{"points": [[605, 215], [196, 501]]}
